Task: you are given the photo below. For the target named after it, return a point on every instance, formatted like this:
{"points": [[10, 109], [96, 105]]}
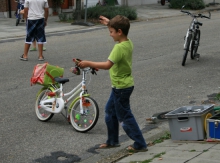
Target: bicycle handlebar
{"points": [[196, 16], [76, 60]]}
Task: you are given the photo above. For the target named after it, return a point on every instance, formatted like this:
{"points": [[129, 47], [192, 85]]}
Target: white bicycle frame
{"points": [[58, 100]]}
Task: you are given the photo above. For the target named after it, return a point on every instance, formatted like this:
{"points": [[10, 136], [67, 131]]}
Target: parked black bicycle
{"points": [[192, 37], [18, 13]]}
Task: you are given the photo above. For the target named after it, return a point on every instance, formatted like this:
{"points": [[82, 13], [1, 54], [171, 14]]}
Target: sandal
{"points": [[41, 59], [133, 150], [23, 59], [107, 146]]}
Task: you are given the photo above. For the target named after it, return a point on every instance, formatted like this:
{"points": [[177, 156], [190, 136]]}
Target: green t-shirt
{"points": [[120, 72]]}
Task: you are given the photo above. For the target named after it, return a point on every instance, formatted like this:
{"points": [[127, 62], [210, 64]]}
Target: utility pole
{"points": [[9, 8]]}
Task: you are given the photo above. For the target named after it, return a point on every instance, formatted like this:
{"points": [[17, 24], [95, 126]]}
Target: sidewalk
{"points": [[170, 151], [8, 30]]}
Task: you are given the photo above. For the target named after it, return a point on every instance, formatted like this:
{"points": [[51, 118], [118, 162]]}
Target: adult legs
{"points": [[40, 51], [26, 48]]}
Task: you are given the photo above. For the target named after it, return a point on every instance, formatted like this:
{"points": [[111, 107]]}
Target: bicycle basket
{"points": [[45, 73]]}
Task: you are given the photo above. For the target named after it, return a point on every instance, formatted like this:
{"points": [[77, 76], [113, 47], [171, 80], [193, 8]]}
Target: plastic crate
{"points": [[213, 127], [188, 122]]}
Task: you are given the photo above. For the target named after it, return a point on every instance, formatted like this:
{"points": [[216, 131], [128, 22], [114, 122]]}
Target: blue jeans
{"points": [[117, 111]]}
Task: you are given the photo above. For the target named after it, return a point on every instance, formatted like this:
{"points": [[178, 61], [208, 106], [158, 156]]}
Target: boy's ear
{"points": [[120, 31]]}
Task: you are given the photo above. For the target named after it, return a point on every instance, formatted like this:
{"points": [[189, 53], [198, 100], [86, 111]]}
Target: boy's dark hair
{"points": [[120, 22]]}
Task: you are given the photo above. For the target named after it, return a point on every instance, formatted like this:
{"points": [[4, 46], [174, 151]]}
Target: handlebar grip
{"points": [[76, 60], [205, 17], [186, 12]]}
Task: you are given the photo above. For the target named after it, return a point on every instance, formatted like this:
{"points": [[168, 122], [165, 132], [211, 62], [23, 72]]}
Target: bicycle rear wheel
{"points": [[83, 122], [195, 44], [186, 49], [42, 114]]}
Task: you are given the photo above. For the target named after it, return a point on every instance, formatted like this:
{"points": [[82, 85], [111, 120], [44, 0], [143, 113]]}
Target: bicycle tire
{"points": [[195, 44], [187, 49], [86, 121], [42, 114], [17, 21], [162, 2]]}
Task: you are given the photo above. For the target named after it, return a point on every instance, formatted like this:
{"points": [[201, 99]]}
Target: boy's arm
{"points": [[46, 13], [101, 65], [103, 20], [25, 13]]}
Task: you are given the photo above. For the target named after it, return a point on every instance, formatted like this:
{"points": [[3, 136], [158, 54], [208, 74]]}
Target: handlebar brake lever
{"points": [[93, 72]]}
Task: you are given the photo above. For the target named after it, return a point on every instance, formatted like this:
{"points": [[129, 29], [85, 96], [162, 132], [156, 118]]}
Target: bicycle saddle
{"points": [[61, 80]]}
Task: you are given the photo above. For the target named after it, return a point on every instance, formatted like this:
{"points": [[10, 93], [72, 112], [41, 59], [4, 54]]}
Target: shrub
{"points": [[109, 12], [189, 4], [64, 17]]}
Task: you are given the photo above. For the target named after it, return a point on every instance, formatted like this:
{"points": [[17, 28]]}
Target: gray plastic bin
{"points": [[188, 122]]}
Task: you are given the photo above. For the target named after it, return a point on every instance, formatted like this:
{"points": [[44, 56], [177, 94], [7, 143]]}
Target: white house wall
{"points": [[137, 2]]}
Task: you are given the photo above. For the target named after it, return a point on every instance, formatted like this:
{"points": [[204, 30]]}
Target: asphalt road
{"points": [[161, 84]]}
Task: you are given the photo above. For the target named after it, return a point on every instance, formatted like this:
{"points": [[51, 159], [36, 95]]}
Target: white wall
{"points": [[211, 1], [124, 2], [91, 2], [136, 2]]}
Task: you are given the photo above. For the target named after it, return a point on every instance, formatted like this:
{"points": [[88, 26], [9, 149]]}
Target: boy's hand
{"points": [[103, 20], [83, 64]]}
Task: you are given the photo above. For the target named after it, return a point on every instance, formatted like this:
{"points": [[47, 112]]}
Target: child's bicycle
{"points": [[82, 113], [192, 37], [18, 14]]}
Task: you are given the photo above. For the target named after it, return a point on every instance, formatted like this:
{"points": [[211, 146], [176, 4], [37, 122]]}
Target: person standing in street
{"points": [[36, 14], [119, 64]]}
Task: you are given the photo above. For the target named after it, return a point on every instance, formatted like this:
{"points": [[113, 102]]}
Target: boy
{"points": [[117, 109]]}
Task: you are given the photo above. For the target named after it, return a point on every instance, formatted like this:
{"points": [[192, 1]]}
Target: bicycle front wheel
{"points": [[17, 21], [186, 49], [195, 44], [42, 114], [83, 122]]}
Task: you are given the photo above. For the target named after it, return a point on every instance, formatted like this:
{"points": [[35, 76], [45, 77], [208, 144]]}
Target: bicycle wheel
{"points": [[86, 121], [17, 21], [42, 114], [162, 2], [195, 44], [186, 49]]}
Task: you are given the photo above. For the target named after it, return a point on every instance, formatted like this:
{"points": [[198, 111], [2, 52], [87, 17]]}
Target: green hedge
{"points": [[109, 12], [189, 4]]}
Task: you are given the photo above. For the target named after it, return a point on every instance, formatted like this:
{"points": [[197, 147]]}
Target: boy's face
{"points": [[114, 34]]}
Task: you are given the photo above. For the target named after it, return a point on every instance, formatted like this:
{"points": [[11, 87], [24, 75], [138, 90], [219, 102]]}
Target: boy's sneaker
{"points": [[33, 49], [44, 49]]}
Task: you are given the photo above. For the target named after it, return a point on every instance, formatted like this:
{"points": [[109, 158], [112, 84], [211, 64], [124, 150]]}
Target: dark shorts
{"points": [[35, 31]]}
